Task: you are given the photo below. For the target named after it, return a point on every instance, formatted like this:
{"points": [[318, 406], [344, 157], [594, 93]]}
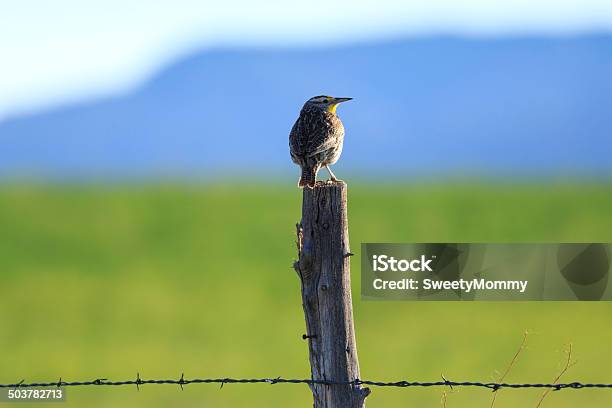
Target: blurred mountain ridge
{"points": [[422, 106]]}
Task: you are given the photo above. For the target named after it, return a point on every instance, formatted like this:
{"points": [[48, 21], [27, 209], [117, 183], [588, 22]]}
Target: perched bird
{"points": [[316, 138]]}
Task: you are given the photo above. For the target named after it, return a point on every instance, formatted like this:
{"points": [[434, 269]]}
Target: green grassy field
{"points": [[110, 281]]}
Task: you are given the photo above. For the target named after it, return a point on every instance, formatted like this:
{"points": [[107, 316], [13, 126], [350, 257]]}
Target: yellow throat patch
{"points": [[332, 108]]}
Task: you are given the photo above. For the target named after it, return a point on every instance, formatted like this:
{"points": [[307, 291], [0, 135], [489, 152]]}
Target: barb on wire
{"points": [[509, 368], [446, 382], [138, 381], [568, 364], [280, 380]]}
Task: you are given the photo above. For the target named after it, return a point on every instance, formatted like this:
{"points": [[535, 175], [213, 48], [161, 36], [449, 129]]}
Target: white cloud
{"points": [[55, 51]]}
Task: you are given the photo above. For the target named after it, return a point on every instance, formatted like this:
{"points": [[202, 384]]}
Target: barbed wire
{"points": [[182, 381]]}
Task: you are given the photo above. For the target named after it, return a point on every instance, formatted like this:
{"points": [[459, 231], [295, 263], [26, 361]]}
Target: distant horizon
{"points": [[270, 178], [68, 51], [230, 47], [430, 106]]}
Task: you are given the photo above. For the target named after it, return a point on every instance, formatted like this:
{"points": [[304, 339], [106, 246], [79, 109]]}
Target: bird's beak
{"points": [[340, 100]]}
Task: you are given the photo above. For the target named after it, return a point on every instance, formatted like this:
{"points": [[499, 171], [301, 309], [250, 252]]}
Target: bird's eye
{"points": [[325, 100]]}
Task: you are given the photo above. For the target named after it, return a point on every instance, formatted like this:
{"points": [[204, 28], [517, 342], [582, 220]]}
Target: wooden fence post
{"points": [[324, 269]]}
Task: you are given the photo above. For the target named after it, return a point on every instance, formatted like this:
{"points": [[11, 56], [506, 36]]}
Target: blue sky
{"points": [[56, 52]]}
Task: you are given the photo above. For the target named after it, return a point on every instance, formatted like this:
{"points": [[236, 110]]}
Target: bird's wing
{"points": [[294, 137], [329, 143], [314, 133], [325, 135], [306, 134], [297, 141]]}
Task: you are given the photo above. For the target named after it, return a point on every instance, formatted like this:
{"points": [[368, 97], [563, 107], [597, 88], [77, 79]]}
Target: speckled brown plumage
{"points": [[315, 140]]}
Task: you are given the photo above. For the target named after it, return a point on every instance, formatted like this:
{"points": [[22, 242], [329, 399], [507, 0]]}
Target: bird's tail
{"points": [[309, 176]]}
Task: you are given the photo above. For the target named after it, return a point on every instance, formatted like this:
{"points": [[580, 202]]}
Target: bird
{"points": [[316, 138]]}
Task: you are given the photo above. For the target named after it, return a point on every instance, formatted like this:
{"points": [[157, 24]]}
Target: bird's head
{"points": [[324, 102]]}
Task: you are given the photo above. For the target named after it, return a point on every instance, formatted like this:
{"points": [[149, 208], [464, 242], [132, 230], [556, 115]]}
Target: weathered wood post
{"points": [[324, 269]]}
